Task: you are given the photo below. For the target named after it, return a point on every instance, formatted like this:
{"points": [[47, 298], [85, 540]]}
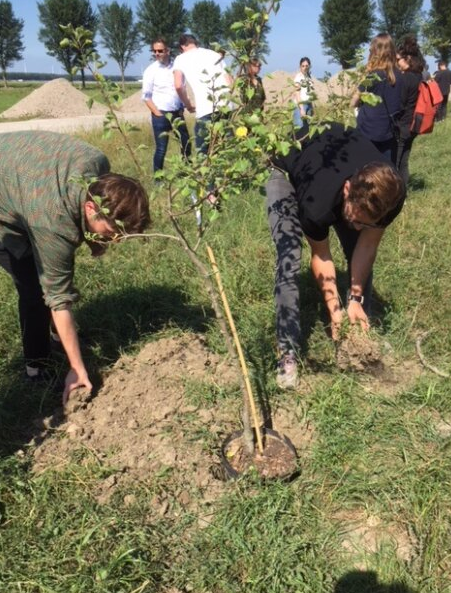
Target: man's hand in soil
{"points": [[357, 315], [75, 379], [336, 318]]}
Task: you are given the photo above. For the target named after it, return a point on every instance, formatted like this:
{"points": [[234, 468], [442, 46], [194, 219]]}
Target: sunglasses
{"points": [[159, 51]]}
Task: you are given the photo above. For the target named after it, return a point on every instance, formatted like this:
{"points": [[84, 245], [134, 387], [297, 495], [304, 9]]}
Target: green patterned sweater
{"points": [[41, 207]]}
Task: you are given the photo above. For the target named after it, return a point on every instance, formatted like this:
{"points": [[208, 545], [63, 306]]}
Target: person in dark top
{"points": [[378, 122], [443, 79], [338, 179], [411, 63], [252, 81]]}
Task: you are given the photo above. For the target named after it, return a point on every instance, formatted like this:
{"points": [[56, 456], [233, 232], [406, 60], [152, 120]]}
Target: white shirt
{"points": [[305, 87], [158, 85], [204, 71]]}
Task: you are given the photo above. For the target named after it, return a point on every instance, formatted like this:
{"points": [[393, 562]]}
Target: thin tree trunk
{"points": [[5, 82], [83, 81], [123, 79]]}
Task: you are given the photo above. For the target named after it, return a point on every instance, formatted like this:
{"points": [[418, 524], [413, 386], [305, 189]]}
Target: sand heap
{"points": [[54, 99], [134, 104], [279, 87]]}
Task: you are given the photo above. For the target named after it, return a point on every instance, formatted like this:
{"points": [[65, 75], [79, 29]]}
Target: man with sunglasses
{"points": [[55, 192], [160, 96], [340, 180]]}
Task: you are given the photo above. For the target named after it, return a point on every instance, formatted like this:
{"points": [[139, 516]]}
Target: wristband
{"points": [[356, 298]]}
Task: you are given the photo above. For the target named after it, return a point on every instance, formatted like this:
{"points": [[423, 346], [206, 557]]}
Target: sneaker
{"points": [[287, 372]]}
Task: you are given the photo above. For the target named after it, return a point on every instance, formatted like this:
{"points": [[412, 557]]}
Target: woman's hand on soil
{"points": [[75, 379], [357, 315]]}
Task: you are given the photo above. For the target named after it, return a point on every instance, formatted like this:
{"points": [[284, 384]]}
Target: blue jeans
{"points": [[161, 126], [201, 133], [297, 119], [285, 226]]}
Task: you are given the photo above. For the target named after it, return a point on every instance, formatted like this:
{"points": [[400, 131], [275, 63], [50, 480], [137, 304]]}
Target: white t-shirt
{"points": [[204, 70], [305, 87], [158, 85]]}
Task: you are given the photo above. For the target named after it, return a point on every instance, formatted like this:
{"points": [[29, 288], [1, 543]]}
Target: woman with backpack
{"points": [[378, 122], [412, 64]]}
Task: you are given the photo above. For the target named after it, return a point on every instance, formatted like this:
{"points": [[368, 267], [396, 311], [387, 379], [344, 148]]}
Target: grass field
{"points": [[379, 460], [16, 91]]}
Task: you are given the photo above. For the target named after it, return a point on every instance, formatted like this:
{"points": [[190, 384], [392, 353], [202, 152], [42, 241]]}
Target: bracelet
{"points": [[357, 298]]}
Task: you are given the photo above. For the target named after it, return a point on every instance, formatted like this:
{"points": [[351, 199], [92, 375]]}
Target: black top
{"points": [[443, 78], [376, 122], [409, 100], [319, 171]]}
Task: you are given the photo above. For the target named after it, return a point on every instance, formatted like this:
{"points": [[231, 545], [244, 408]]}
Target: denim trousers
{"points": [[34, 315], [297, 119], [201, 133], [286, 231], [161, 125]]}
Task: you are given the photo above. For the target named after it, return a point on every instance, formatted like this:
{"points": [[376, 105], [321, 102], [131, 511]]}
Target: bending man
{"points": [[44, 214], [339, 179]]}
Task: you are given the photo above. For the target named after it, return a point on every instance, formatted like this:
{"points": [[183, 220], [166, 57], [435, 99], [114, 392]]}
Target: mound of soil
{"points": [[277, 460], [54, 99], [359, 353], [279, 88], [134, 104]]}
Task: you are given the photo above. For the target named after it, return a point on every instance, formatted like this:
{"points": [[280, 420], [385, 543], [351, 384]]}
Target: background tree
{"points": [[11, 46], [345, 26], [120, 35], [437, 30], [206, 22], [238, 11], [52, 14], [399, 17], [162, 18]]}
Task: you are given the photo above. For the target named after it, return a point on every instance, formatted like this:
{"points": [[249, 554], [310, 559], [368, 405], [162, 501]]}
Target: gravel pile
{"points": [[54, 99]]}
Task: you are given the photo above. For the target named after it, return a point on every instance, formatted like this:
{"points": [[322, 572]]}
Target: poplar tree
{"points": [[399, 17], [162, 18], [120, 34], [11, 46], [206, 22], [437, 30], [345, 26], [238, 12], [52, 14]]}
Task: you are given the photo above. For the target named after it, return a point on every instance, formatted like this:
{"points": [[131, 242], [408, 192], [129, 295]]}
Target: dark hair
{"points": [[376, 189], [410, 51], [187, 39], [305, 59], [160, 40], [442, 63], [126, 201]]}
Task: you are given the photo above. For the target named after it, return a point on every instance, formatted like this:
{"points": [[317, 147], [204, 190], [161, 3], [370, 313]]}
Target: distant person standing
{"points": [[304, 90], [160, 96], [378, 122], [253, 82], [204, 70], [443, 79], [411, 63]]}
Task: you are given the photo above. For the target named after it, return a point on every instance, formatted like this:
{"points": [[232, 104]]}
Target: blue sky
{"points": [[294, 33]]}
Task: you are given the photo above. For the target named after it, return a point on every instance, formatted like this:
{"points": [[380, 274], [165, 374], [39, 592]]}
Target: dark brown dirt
{"points": [[277, 460], [145, 422], [359, 353]]}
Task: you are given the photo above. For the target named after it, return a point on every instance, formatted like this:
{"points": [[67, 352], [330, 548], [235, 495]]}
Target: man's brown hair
{"points": [[125, 199], [377, 188]]}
